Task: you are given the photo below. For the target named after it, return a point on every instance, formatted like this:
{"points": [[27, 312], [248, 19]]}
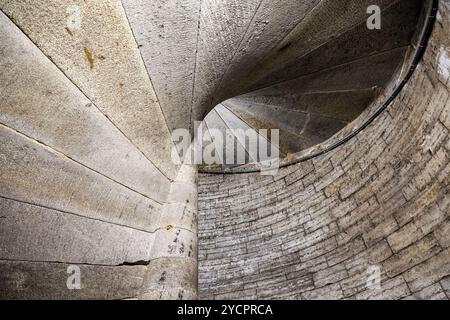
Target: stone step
{"points": [[398, 27], [369, 72], [324, 21], [339, 105], [101, 58], [40, 102], [35, 174]]}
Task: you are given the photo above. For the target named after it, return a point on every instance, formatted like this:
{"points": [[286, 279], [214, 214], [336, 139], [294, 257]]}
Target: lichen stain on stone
{"points": [[444, 63], [89, 57]]}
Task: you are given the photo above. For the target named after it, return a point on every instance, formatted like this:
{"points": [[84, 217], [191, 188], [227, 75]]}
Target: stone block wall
{"points": [[88, 183], [318, 229]]}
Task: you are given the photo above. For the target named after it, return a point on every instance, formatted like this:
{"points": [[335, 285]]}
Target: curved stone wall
{"points": [[323, 228]]}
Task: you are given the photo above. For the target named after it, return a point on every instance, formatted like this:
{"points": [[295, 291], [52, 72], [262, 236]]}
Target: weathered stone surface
{"points": [[331, 292], [218, 130], [32, 233], [429, 272], [173, 279], [411, 256], [101, 57], [233, 122], [398, 24], [264, 32], [445, 283], [222, 25], [343, 105], [348, 76], [312, 32], [174, 242], [390, 290], [76, 127], [433, 292], [40, 280], [289, 141], [309, 128], [315, 230], [379, 201], [179, 215], [167, 36]]}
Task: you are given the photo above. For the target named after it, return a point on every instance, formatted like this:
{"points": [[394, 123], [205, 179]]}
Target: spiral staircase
{"points": [[92, 90]]}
